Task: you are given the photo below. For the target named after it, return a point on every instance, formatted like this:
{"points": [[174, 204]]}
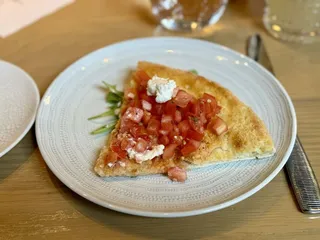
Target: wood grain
{"points": [[34, 204]]}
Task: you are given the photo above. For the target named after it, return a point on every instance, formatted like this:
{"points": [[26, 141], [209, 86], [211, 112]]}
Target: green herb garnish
{"points": [[115, 98], [111, 112], [103, 129], [193, 71], [113, 88]]}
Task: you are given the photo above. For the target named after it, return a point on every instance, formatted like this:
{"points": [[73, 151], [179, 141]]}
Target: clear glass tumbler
{"points": [[188, 15], [293, 20]]}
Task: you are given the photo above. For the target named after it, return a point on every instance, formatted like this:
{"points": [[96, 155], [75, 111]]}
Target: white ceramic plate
{"points": [[19, 100], [68, 149]]}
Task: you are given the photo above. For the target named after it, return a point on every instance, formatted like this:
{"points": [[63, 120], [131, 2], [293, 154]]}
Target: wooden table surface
{"points": [[34, 204]]}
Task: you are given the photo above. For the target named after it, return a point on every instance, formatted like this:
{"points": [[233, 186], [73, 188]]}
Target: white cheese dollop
{"points": [[162, 88], [146, 155]]}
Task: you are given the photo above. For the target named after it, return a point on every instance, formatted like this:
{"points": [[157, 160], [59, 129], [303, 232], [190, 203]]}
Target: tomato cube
{"points": [[170, 108], [196, 124], [194, 107], [164, 140], [134, 114], [138, 131], [153, 126], [111, 157], [191, 146], [166, 123], [146, 117], [175, 132], [144, 96], [126, 143], [218, 126], [169, 151], [191, 134], [157, 109], [163, 132], [141, 145], [177, 174], [182, 98], [177, 116], [184, 126]]}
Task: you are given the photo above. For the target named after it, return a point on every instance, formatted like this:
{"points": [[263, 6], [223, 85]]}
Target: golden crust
{"points": [[247, 137]]}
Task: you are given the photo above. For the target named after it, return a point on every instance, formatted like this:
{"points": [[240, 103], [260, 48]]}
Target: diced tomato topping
{"points": [[166, 123], [178, 124], [218, 126], [144, 96], [156, 117], [129, 93], [117, 149], [177, 116], [212, 99], [170, 108], [191, 146], [177, 174], [126, 124], [195, 143], [211, 106], [194, 135], [207, 108], [175, 132], [153, 126], [146, 117], [169, 151], [182, 99], [166, 118], [111, 157], [157, 109], [168, 126], [138, 131], [184, 127], [127, 143], [146, 105], [203, 118], [134, 102], [177, 140], [134, 114], [147, 138], [141, 78], [176, 129], [163, 132], [141, 145], [194, 107], [164, 140], [196, 124], [175, 91], [201, 103]]}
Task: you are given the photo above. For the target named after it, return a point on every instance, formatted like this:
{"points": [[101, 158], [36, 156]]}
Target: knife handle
{"points": [[303, 180]]}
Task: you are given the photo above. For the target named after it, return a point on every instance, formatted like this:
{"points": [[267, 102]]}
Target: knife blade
{"points": [[298, 168]]}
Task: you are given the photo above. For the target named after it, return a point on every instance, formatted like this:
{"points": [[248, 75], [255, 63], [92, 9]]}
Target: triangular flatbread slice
{"points": [[246, 138]]}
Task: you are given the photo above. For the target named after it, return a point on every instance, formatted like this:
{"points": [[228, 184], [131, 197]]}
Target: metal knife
{"points": [[298, 168]]}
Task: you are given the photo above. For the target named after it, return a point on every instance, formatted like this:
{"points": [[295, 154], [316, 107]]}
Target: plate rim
{"points": [[32, 83], [174, 214]]}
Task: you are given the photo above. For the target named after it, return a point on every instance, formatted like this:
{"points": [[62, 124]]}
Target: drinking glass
{"points": [[293, 20], [188, 15]]}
